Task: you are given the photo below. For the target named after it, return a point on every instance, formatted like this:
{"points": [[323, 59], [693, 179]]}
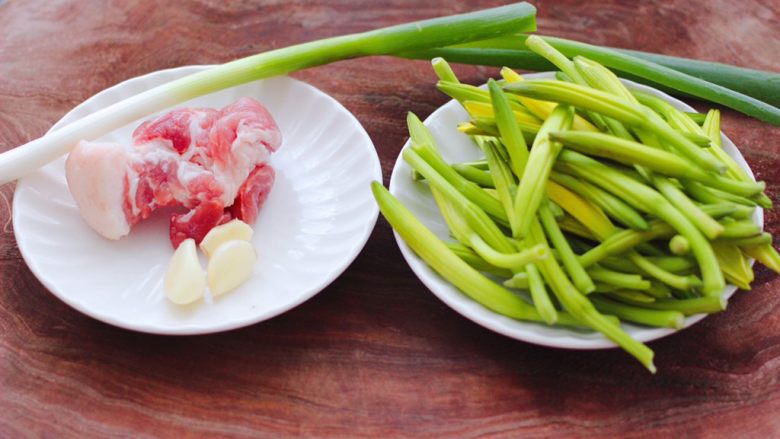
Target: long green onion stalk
{"points": [[437, 32]]}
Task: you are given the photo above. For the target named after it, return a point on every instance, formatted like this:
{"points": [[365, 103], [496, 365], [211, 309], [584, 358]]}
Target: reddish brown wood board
{"points": [[375, 354]]}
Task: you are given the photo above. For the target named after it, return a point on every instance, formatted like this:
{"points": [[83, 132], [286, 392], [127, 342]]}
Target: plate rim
{"points": [[188, 329], [492, 321]]}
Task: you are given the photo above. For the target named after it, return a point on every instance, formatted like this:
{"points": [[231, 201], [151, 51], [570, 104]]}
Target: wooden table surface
{"points": [[375, 353]]}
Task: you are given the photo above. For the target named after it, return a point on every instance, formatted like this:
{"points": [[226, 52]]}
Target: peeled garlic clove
{"points": [[185, 280], [235, 229], [230, 265]]}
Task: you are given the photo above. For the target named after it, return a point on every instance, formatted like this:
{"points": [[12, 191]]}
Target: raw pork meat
{"points": [[214, 163]]}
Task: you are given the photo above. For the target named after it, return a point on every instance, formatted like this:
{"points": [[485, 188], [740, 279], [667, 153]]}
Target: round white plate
{"points": [[314, 223], [457, 147]]}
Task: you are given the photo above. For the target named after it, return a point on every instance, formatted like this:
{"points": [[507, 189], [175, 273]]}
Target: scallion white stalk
{"points": [[437, 32]]}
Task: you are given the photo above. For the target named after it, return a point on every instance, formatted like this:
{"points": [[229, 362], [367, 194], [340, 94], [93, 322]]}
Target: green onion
{"points": [[418, 35]]}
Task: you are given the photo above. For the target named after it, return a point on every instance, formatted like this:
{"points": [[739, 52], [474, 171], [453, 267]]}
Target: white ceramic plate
{"points": [[316, 220], [457, 147]]}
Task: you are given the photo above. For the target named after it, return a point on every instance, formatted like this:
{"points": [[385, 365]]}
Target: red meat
{"points": [[214, 163]]}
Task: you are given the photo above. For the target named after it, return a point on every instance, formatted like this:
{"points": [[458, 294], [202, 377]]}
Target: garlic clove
{"points": [[231, 230], [230, 265], [185, 279]]}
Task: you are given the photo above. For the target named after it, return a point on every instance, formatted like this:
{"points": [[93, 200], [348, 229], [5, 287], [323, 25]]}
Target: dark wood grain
{"points": [[375, 353]]}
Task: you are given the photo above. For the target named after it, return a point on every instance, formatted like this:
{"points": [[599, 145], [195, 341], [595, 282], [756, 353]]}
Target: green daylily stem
{"points": [[442, 260], [475, 217], [693, 212], [582, 309], [644, 197], [509, 129], [618, 279], [501, 177], [513, 261], [530, 191], [698, 305], [617, 108], [539, 295], [470, 257], [740, 229], [680, 282], [630, 295], [576, 271], [751, 241], [678, 245], [666, 163], [443, 70], [566, 67], [474, 175], [649, 317], [610, 204], [468, 189]]}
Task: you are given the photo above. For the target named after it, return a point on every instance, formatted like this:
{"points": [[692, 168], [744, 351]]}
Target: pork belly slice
{"points": [[214, 163]]}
